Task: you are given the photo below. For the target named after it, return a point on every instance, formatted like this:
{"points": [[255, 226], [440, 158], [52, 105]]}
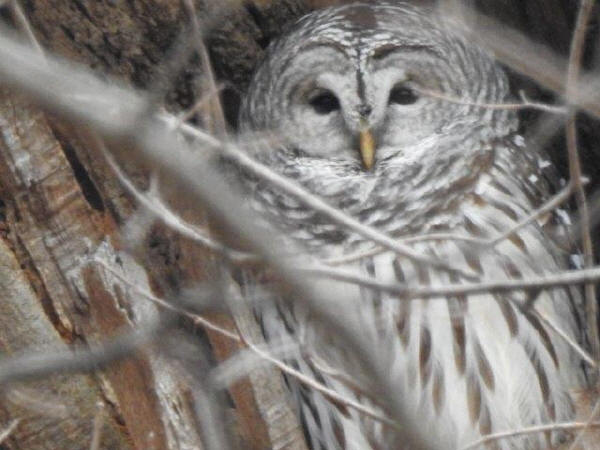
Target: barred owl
{"points": [[347, 91]]}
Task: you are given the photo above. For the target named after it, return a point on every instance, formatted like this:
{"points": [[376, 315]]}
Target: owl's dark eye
{"points": [[325, 103], [403, 95]]}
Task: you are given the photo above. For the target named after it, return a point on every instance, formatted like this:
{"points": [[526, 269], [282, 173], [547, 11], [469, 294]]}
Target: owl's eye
{"points": [[325, 103], [403, 95]]}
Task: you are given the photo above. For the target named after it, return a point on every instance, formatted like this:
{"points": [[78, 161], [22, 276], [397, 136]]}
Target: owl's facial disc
{"points": [[350, 112], [324, 102], [366, 107]]}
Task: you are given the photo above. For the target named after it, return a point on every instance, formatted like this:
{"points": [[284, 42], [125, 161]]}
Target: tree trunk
{"points": [[66, 221]]}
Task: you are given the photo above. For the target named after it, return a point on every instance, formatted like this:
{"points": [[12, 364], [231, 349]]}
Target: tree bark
{"points": [[64, 210]]}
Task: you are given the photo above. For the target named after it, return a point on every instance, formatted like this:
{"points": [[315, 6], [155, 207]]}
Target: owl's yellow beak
{"points": [[367, 148]]}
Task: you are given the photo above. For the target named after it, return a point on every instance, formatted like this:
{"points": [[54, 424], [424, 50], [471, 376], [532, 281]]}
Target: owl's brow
{"points": [[335, 45], [387, 49]]}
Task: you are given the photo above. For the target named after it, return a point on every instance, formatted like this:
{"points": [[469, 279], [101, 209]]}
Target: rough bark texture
{"points": [[61, 207]]}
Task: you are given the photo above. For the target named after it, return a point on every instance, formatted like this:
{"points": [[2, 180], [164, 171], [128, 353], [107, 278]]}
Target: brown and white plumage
{"points": [[466, 366]]}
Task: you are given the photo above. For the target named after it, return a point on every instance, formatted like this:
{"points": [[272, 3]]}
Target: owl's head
{"points": [[346, 85]]}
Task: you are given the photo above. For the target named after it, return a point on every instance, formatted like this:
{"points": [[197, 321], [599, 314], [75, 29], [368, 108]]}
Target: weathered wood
{"points": [[49, 229], [54, 234], [146, 402]]}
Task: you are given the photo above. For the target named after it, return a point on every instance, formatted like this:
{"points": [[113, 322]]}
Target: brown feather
{"points": [[438, 390], [546, 341], [509, 315], [485, 370], [473, 398], [425, 355]]}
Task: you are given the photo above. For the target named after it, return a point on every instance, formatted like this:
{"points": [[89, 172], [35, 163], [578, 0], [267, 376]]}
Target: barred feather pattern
{"points": [[465, 366], [468, 366]]}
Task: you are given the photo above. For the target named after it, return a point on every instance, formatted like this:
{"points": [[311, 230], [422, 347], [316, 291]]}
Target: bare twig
{"points": [[314, 202], [531, 59], [353, 257], [442, 237], [575, 174], [319, 387], [200, 104], [589, 423], [547, 207], [208, 324], [574, 345], [311, 383], [203, 321], [215, 116], [211, 423], [530, 430], [41, 403], [406, 291], [23, 24], [191, 366], [94, 357], [97, 427], [525, 102], [153, 203], [164, 304], [317, 204], [6, 432], [406, 240]]}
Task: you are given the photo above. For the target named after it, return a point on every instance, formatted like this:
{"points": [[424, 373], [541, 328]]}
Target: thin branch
{"points": [[521, 54], [23, 24], [442, 237], [33, 400], [200, 320], [545, 130], [215, 114], [340, 375], [75, 360], [570, 342], [330, 394], [6, 432], [317, 204], [164, 304], [214, 436], [589, 423], [352, 257], [575, 173], [530, 430], [405, 291], [526, 103], [88, 359], [97, 427], [200, 104], [153, 203], [327, 392], [547, 207], [191, 367]]}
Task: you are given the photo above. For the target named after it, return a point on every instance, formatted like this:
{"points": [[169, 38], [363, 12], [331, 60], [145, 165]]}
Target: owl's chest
{"points": [[396, 201]]}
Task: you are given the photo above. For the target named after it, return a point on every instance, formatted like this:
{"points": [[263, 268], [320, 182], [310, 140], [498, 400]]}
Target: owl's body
{"points": [[465, 366]]}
